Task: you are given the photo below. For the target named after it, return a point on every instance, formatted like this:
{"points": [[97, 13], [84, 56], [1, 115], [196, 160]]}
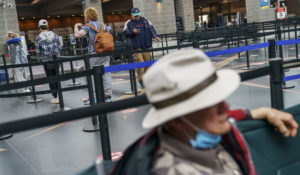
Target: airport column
{"points": [[256, 13], [185, 10], [96, 4], [8, 22], [161, 14]]}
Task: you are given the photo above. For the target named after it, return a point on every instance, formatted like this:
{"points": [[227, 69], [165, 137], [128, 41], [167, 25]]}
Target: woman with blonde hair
{"points": [[89, 29], [17, 55]]}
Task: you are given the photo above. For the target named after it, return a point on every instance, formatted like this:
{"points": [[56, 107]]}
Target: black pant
{"points": [[51, 71]]}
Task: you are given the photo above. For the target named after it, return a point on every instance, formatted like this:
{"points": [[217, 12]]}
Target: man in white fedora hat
{"points": [[192, 133]]}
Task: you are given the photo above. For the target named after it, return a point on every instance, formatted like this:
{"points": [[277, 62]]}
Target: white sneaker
{"points": [[26, 90], [54, 101]]}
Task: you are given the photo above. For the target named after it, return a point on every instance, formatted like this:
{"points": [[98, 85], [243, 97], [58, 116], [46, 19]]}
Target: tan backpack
{"points": [[103, 39]]}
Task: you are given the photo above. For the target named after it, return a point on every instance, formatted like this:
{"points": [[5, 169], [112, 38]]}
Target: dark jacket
{"points": [[143, 40], [138, 158]]}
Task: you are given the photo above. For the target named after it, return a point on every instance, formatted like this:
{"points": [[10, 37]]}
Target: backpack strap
{"points": [[102, 27], [92, 43], [92, 27], [96, 30]]}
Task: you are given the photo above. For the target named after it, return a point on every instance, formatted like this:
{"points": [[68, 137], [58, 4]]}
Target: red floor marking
{"points": [[84, 99], [115, 156], [127, 111]]}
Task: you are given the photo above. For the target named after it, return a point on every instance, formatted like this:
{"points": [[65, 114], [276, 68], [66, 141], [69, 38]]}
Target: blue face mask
{"points": [[203, 140]]}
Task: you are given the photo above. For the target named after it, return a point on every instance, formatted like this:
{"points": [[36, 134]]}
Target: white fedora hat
{"points": [[185, 82]]}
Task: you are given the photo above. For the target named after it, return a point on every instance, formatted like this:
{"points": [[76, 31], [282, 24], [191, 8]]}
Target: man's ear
{"points": [[175, 123]]}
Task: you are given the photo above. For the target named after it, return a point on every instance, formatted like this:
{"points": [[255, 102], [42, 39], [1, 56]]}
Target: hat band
{"points": [[187, 94]]}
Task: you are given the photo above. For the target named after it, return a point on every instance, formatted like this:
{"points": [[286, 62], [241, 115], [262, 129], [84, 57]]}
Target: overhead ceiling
{"points": [[43, 8]]}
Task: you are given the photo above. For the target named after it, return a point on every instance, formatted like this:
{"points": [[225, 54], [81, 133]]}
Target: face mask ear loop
{"points": [[190, 124]]}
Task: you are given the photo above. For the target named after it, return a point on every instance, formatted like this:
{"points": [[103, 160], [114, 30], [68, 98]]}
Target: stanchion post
{"points": [[279, 38], [276, 83], [35, 100], [247, 57], [103, 122], [178, 41], [196, 44], [5, 69], [95, 124], [132, 75], [238, 44], [289, 31], [162, 45], [60, 95], [296, 37], [272, 49], [167, 45], [263, 26]]}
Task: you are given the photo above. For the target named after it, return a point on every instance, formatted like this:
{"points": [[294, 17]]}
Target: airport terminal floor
{"points": [[64, 149]]}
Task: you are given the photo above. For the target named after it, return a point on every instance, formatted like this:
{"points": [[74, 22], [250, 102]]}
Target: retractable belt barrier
{"points": [[85, 112], [130, 66]]}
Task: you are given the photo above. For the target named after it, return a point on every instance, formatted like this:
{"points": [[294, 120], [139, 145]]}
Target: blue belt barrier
{"points": [[287, 42], [292, 77], [237, 49], [123, 67]]}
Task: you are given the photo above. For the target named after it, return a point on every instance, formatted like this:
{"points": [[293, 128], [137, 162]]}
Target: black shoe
{"points": [[141, 83]]}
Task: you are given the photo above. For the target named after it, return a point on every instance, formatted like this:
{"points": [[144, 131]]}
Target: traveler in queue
{"points": [[141, 32]]}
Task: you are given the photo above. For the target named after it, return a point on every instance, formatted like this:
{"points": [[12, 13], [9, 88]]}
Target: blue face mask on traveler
{"points": [[203, 140]]}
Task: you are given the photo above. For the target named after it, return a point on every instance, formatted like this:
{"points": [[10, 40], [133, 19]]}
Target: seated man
{"points": [[192, 132]]}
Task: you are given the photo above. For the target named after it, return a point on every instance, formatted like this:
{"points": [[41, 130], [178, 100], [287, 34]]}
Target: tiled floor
{"points": [[65, 149]]}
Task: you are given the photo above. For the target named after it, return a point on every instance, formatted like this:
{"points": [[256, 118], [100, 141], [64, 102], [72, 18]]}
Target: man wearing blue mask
{"points": [[192, 132]]}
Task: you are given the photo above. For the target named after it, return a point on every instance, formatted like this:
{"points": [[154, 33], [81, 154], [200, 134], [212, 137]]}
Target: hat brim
{"points": [[228, 81], [136, 14]]}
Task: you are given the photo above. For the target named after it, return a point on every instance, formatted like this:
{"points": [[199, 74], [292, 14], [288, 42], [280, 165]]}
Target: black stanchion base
{"points": [[35, 101], [75, 84], [290, 85], [62, 109], [91, 128], [247, 68], [4, 137], [131, 93]]}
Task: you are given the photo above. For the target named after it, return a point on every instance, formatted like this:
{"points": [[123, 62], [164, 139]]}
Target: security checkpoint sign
{"points": [[281, 14], [264, 4]]}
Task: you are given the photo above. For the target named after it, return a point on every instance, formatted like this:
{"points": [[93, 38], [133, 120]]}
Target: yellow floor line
{"points": [[267, 87], [121, 82], [123, 97], [118, 75], [2, 149], [227, 61], [45, 131]]}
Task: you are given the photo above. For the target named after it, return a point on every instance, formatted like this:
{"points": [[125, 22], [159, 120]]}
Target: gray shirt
{"points": [[177, 158]]}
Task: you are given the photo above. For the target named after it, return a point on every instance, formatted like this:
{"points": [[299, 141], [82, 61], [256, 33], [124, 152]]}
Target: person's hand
{"points": [[78, 25], [136, 31], [157, 39], [13, 70], [282, 121]]}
